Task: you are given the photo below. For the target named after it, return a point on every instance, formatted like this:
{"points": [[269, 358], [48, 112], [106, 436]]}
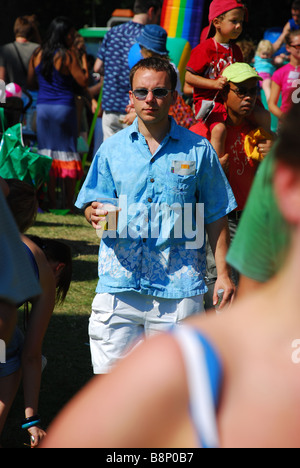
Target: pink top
{"points": [[288, 78]]}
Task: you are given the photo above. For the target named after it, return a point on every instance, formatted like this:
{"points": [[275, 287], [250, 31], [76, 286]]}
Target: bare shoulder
{"points": [[40, 258], [37, 56]]}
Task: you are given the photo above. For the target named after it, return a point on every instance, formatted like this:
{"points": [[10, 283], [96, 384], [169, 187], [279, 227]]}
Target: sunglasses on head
{"points": [[243, 91], [158, 93]]}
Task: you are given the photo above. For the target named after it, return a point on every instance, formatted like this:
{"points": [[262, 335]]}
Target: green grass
{"points": [[65, 345]]}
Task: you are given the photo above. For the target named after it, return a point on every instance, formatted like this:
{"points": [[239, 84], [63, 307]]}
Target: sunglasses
{"points": [[158, 93], [244, 91], [296, 46]]}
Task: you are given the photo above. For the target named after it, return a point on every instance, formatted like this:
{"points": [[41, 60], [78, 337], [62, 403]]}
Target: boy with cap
{"points": [[240, 95], [207, 62]]}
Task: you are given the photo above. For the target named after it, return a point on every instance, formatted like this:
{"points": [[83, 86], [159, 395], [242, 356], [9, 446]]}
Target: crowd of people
{"points": [[180, 204]]}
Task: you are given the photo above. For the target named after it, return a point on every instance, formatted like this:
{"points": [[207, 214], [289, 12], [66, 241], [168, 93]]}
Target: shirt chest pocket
{"points": [[180, 189]]}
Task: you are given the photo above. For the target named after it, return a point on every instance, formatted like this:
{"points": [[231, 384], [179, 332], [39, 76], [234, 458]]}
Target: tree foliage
{"points": [[82, 12]]}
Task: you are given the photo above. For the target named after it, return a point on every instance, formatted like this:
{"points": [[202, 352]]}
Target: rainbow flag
{"points": [[183, 18]]}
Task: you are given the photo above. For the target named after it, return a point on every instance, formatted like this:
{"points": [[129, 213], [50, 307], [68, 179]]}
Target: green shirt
{"points": [[263, 236]]}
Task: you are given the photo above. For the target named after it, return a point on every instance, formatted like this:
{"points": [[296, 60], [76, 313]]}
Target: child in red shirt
{"points": [[207, 62]]}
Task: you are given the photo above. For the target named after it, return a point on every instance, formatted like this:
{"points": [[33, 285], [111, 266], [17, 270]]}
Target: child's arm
{"points": [[273, 101], [197, 81], [277, 44]]}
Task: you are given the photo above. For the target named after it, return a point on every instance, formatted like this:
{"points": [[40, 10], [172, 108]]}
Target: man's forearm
{"points": [[219, 239], [88, 213]]}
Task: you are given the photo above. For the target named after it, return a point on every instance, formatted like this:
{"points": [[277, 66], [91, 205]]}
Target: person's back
{"points": [[112, 63], [114, 51], [259, 403], [15, 56], [260, 406], [59, 90]]}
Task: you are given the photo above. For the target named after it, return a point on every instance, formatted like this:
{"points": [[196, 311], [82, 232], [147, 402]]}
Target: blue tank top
{"points": [[34, 266], [293, 25], [32, 261], [58, 91], [204, 372]]}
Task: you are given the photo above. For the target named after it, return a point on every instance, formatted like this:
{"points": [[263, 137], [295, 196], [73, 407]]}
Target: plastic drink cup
{"points": [[111, 205], [220, 299]]}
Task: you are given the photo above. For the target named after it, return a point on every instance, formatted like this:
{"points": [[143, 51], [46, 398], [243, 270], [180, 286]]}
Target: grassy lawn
{"points": [[66, 342]]}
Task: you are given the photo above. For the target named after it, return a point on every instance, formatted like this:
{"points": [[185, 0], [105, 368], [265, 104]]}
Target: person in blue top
{"points": [[169, 184], [51, 264], [57, 68], [112, 63], [17, 280], [293, 24]]}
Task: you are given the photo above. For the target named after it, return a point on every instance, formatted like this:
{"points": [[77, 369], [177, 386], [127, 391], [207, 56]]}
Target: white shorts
{"points": [[120, 322]]}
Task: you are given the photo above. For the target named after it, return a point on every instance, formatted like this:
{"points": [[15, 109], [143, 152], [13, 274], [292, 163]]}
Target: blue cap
{"points": [[154, 38], [135, 55]]}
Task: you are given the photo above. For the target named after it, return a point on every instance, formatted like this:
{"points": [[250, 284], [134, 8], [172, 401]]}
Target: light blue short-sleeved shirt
{"points": [[157, 249]]}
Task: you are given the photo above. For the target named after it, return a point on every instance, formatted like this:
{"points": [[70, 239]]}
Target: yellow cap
{"points": [[239, 72]]}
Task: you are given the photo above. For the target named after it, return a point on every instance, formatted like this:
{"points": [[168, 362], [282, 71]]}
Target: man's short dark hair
{"points": [[157, 64], [25, 27], [296, 5], [142, 6]]}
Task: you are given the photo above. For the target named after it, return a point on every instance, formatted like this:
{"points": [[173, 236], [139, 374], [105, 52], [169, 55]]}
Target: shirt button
{"points": [[150, 200]]}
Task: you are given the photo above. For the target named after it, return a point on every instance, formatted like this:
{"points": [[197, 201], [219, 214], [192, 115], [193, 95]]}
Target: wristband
{"points": [[31, 422]]}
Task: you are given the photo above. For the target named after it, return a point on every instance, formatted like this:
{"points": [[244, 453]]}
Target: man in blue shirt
{"points": [[170, 184], [112, 63]]}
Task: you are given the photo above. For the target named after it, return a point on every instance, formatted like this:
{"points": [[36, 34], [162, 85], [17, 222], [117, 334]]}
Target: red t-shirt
{"points": [[242, 169], [209, 59]]}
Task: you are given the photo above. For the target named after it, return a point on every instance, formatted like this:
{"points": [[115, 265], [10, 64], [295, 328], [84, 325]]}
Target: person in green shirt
{"points": [[263, 236]]}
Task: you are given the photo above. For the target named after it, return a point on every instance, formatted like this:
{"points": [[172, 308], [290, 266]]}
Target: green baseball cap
{"points": [[239, 72]]}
